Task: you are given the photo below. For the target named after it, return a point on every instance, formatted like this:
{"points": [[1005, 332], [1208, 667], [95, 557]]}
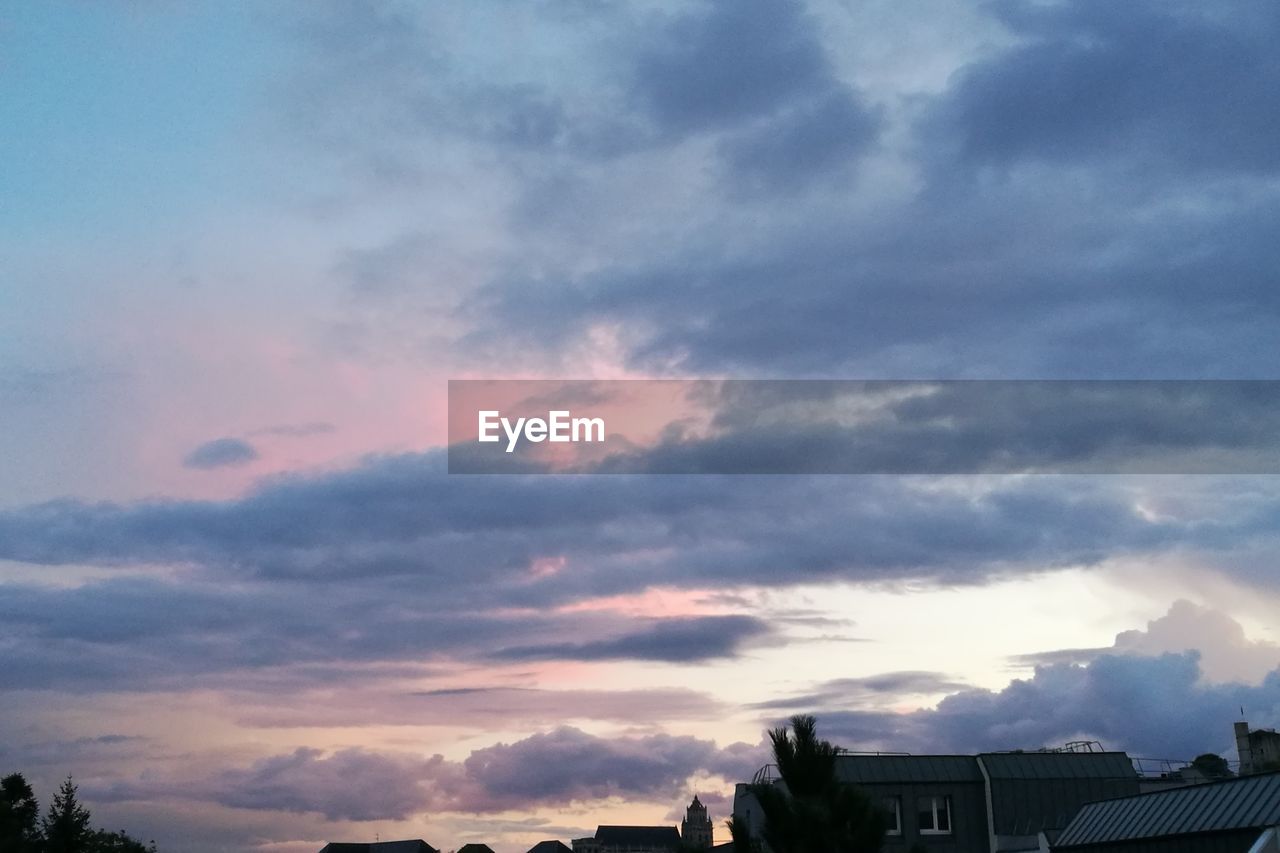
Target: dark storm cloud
{"points": [[496, 706], [352, 784], [1185, 85], [302, 430], [1155, 707], [147, 635], [1226, 653], [400, 522], [568, 764], [1121, 234], [972, 427], [395, 562], [672, 640], [1058, 657], [846, 692], [221, 453], [754, 72], [730, 62], [1170, 690], [559, 767], [55, 755], [810, 141], [1038, 277], [759, 70]]}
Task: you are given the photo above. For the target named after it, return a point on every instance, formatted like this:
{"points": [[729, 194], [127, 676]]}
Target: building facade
{"points": [[987, 803]]}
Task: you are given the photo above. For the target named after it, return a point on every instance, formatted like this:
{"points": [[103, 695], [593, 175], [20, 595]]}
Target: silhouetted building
{"points": [[475, 848], [995, 802], [630, 839], [1259, 750], [550, 847], [586, 845], [1239, 815], [696, 830], [416, 845]]}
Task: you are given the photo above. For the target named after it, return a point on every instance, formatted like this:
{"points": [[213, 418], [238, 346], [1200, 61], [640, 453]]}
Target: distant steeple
{"points": [[695, 829]]}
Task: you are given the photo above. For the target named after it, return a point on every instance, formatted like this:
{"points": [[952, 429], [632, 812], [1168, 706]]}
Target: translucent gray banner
{"points": [[863, 427]]}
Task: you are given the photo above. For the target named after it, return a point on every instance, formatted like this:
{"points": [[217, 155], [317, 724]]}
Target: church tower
{"points": [[695, 830]]}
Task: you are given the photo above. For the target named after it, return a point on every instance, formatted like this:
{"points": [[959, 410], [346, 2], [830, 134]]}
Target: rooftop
{"points": [[415, 845], [550, 847], [1246, 802], [638, 836]]}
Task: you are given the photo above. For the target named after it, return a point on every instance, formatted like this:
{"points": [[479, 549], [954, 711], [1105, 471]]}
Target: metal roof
{"points": [[1247, 802], [905, 769], [1058, 765]]}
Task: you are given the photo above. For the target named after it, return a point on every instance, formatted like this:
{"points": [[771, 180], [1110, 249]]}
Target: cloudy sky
{"points": [[244, 246]]}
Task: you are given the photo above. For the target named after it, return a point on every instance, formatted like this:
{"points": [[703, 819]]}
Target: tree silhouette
{"points": [[1212, 766], [19, 812], [66, 826], [117, 842], [740, 833], [811, 811], [64, 829]]}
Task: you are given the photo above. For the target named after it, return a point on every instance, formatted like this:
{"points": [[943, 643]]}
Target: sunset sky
{"points": [[244, 246]]}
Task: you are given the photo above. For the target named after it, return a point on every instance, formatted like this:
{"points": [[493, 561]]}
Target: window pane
{"points": [[924, 816], [890, 807], [944, 814]]}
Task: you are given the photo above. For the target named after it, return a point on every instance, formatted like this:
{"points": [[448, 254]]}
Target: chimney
{"points": [[1242, 748]]}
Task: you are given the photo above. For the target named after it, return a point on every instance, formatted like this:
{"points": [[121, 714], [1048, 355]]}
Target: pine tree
{"points": [[66, 826]]}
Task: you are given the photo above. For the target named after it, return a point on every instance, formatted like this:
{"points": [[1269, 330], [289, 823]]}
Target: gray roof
{"points": [[904, 769], [1248, 802], [1058, 765], [638, 836]]}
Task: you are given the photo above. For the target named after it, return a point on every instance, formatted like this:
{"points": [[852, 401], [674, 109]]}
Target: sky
{"points": [[244, 246]]}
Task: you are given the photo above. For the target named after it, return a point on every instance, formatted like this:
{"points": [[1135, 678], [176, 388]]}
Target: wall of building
{"points": [[968, 815]]}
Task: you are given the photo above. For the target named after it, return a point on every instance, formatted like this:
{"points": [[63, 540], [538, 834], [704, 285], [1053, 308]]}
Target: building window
{"points": [[892, 809], [934, 815]]}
